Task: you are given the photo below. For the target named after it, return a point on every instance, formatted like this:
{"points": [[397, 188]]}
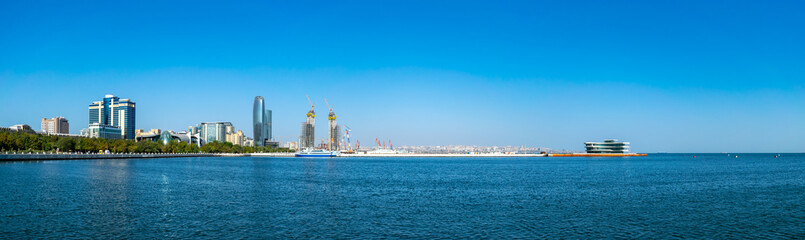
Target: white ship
{"points": [[317, 153]]}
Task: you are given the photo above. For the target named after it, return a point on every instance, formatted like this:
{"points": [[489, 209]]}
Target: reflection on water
{"points": [[107, 200], [660, 196]]}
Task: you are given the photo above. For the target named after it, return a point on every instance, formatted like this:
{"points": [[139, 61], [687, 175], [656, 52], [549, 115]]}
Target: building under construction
{"points": [[334, 133], [307, 138]]}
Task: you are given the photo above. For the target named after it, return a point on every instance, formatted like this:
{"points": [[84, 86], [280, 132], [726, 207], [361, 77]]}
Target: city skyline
{"points": [[703, 77]]}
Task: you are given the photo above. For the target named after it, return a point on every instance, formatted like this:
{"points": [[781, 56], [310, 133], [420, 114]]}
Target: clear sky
{"points": [[671, 76]]}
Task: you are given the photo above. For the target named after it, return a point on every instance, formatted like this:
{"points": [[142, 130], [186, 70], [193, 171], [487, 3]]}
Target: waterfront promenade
{"points": [[25, 156], [10, 156]]}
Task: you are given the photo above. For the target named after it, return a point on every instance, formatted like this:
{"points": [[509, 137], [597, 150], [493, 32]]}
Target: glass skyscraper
{"points": [[116, 112], [262, 122], [213, 131]]}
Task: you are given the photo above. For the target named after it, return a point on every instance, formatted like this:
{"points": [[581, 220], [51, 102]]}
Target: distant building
{"points": [[334, 133], [307, 138], [140, 132], [213, 131], [292, 145], [272, 144], [194, 129], [236, 138], [167, 136], [97, 130], [261, 122], [19, 128], [248, 142], [55, 125], [116, 112], [608, 146]]}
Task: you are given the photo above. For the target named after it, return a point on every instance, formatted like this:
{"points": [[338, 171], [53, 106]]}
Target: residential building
{"points": [[115, 112], [97, 130], [261, 122], [55, 125], [236, 138], [608, 146]]}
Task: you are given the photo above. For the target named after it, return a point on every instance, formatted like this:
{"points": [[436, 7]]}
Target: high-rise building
{"points": [[55, 125], [115, 112], [307, 138], [332, 143], [262, 122], [213, 131]]}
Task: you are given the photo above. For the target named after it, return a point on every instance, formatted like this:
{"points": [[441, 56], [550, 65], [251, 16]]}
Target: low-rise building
{"points": [[140, 132], [19, 128], [607, 146], [292, 145], [97, 130]]}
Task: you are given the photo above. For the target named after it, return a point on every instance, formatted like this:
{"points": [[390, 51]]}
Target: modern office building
{"points": [[58, 125], [608, 146], [97, 130], [116, 112], [262, 122], [213, 131]]}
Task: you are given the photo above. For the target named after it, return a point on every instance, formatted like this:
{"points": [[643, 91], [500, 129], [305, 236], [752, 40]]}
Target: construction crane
{"points": [[347, 143], [311, 113], [332, 114]]}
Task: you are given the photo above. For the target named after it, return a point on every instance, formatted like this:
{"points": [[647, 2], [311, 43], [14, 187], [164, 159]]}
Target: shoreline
{"points": [[78, 156]]}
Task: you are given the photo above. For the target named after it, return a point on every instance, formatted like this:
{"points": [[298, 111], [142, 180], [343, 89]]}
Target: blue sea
{"points": [[658, 196]]}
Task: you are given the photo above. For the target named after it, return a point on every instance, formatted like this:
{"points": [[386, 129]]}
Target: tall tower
{"points": [[262, 122], [307, 138], [332, 142], [116, 112]]}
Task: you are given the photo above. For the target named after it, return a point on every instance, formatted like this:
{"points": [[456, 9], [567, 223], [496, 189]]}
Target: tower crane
{"points": [[311, 113]]}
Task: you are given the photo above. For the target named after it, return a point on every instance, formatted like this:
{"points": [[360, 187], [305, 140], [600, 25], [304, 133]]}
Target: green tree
{"points": [[65, 144]]}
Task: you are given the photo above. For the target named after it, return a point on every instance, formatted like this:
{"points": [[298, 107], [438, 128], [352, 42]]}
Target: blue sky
{"points": [[675, 76]]}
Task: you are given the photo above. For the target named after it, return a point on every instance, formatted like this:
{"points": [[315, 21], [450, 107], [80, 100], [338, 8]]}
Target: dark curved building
{"points": [[262, 122]]}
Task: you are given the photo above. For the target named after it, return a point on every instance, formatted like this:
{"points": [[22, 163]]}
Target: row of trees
{"points": [[19, 141]]}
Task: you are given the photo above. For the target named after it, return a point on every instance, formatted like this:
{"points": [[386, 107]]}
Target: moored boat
{"points": [[317, 153]]}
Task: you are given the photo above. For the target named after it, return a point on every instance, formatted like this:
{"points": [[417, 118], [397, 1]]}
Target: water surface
{"points": [[659, 196]]}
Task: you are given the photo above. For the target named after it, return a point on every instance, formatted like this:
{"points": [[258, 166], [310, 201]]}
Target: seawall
{"points": [[68, 156]]}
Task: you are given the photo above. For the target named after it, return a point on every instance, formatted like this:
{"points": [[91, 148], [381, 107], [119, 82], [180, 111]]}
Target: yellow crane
{"points": [[311, 113], [332, 115]]}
